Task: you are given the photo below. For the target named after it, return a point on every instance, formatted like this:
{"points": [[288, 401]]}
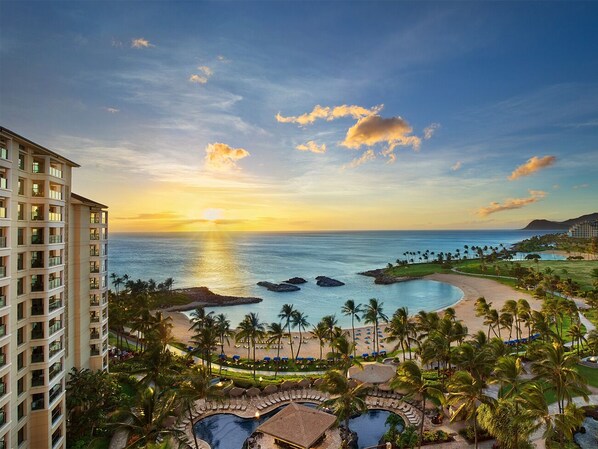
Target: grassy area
{"points": [[125, 344], [592, 315], [591, 374], [579, 271], [417, 270]]}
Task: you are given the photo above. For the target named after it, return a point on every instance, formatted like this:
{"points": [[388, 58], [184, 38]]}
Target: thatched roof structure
{"points": [[299, 426], [372, 373]]}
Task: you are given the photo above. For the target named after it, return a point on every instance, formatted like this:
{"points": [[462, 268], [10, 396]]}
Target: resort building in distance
{"points": [[584, 230], [53, 291]]}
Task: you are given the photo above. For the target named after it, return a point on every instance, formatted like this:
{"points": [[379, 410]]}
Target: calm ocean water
{"points": [[232, 263]]}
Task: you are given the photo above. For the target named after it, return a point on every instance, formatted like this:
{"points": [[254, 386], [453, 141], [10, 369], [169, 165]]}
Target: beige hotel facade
{"points": [[53, 291]]}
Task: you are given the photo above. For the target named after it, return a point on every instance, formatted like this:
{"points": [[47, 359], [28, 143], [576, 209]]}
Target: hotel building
{"points": [[53, 291], [584, 230]]}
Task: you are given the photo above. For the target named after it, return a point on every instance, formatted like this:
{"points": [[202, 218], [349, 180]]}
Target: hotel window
{"points": [[20, 261], [21, 435], [3, 149], [37, 188], [20, 311], [37, 166], [20, 286], [20, 211], [21, 386], [3, 211], [20, 335], [4, 175], [21, 236], [21, 161], [21, 186], [20, 361], [37, 236], [37, 401], [21, 410], [37, 212]]}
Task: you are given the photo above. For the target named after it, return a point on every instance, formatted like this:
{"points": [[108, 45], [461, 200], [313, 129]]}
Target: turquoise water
{"points": [[226, 431], [232, 263]]}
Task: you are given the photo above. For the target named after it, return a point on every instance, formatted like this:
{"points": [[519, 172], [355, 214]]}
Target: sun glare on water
{"points": [[212, 214]]}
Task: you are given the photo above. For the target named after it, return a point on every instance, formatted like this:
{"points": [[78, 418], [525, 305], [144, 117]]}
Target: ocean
{"points": [[232, 263]]}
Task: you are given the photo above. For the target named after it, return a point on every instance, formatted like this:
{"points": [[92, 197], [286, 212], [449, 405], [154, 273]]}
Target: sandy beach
{"points": [[472, 287]]}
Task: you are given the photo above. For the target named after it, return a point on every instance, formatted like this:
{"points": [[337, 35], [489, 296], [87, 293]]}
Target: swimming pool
{"points": [[226, 431]]}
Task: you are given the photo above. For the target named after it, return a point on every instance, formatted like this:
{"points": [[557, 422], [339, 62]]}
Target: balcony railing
{"points": [[55, 370], [55, 392], [94, 303], [54, 283], [55, 348], [94, 285], [37, 381], [94, 335], [94, 269], [37, 310], [53, 261], [54, 216], [55, 172], [37, 263], [56, 414], [94, 351], [37, 240], [37, 167], [55, 238], [94, 236], [2, 301], [37, 193], [37, 357], [37, 287], [55, 305], [36, 216], [94, 218], [94, 319], [55, 327], [55, 194], [94, 252]]}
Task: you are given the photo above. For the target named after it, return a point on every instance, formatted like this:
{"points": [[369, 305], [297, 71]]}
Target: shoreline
{"points": [[203, 296], [472, 288]]}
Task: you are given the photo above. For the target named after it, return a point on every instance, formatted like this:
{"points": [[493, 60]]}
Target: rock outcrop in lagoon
{"points": [[324, 281], [279, 288], [295, 280]]}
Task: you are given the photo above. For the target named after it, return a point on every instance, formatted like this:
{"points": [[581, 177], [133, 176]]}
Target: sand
{"points": [[472, 287]]}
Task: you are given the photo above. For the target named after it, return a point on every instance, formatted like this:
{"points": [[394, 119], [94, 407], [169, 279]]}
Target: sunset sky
{"points": [[290, 115]]}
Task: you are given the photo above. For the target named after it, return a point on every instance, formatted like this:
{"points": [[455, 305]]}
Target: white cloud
{"points": [[533, 165], [512, 203], [312, 147], [198, 79], [220, 156], [112, 110], [205, 70], [430, 130], [456, 166], [141, 43], [327, 113]]}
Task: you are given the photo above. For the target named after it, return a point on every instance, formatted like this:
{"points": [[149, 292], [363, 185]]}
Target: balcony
{"points": [[53, 261], [55, 392], [94, 236], [55, 370], [94, 319], [37, 167], [3, 242], [55, 238], [37, 240], [94, 303], [55, 172], [37, 263], [37, 193], [94, 285], [2, 212], [2, 330], [55, 348], [54, 283], [2, 388], [37, 381], [2, 301], [2, 272], [94, 269], [94, 335], [55, 327], [55, 305], [2, 359], [56, 414], [37, 216], [37, 334], [94, 252], [54, 216], [94, 351], [37, 287], [38, 404], [3, 183], [55, 194], [37, 357], [37, 310]]}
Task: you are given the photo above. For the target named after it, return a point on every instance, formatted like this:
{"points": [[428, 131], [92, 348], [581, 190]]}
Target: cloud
{"points": [[456, 166], [513, 203], [222, 58], [581, 186], [312, 146], [373, 129], [206, 73], [206, 70], [112, 110], [531, 166], [198, 79], [116, 43], [152, 216], [430, 130], [141, 43], [327, 113], [367, 156], [220, 156]]}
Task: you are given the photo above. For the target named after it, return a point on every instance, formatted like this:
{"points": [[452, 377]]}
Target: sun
{"points": [[212, 214]]}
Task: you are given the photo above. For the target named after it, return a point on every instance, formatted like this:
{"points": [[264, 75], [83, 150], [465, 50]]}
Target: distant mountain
{"points": [[547, 225]]}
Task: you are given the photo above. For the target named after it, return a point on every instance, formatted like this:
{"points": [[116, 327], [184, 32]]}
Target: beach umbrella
{"points": [[267, 359], [222, 356], [235, 392], [236, 357], [304, 383], [270, 389], [285, 359], [253, 391], [365, 355], [318, 382], [287, 385], [277, 359]]}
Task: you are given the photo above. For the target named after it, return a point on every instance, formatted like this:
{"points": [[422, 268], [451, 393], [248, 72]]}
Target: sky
{"points": [[304, 116]]}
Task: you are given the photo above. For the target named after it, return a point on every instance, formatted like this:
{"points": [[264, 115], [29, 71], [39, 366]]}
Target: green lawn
{"points": [[591, 374], [579, 271], [417, 270], [592, 315]]}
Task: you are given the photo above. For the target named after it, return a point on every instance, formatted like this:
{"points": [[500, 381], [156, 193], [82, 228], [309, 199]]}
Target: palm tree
{"points": [[464, 392], [505, 422], [476, 361], [206, 341], [373, 315], [577, 336], [558, 368], [147, 421], [320, 331], [299, 321], [254, 330], [352, 309], [409, 377], [342, 349], [347, 400], [286, 314], [275, 335], [222, 324], [329, 322], [199, 317], [401, 330]]}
